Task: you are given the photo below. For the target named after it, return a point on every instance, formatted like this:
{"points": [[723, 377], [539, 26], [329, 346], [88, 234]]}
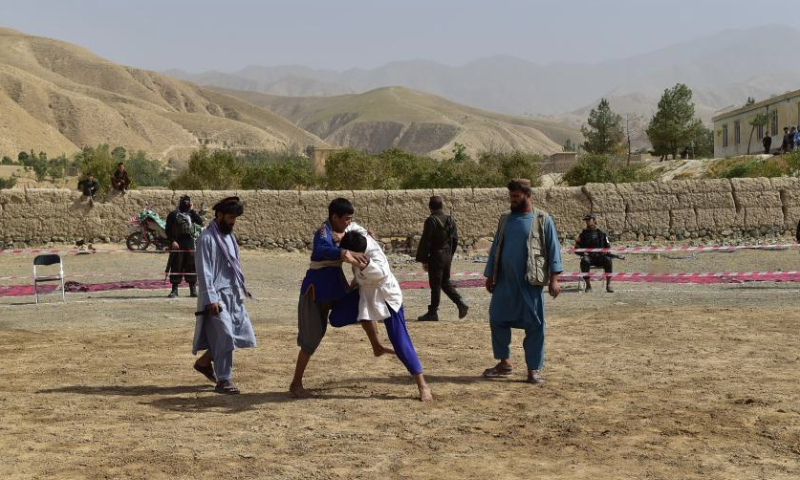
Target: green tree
{"points": [[217, 170], [760, 120], [119, 154], [600, 169], [568, 146], [354, 170], [39, 164], [57, 167], [604, 134], [460, 153], [674, 124], [289, 174], [145, 172], [99, 162], [703, 142], [7, 183], [22, 158], [7, 160], [497, 168]]}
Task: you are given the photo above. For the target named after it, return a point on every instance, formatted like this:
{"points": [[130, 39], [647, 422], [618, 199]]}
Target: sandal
{"points": [[207, 371], [226, 387], [534, 377], [497, 371]]}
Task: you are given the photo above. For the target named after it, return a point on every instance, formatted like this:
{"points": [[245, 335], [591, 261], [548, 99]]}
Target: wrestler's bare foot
{"points": [[298, 391], [425, 394], [381, 350]]}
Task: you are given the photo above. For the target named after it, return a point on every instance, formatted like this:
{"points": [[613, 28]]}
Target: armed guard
{"points": [[436, 248], [593, 237], [183, 228]]}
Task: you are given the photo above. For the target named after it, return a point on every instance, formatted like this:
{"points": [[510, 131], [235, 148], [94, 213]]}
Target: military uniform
{"points": [[436, 248], [594, 239], [183, 228]]}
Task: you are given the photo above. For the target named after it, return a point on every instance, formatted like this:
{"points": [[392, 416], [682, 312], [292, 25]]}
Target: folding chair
{"points": [[44, 261], [582, 282]]}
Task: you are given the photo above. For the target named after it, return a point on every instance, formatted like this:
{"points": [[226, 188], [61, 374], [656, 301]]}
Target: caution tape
{"points": [[686, 277], [658, 249], [705, 248], [98, 274], [40, 251]]}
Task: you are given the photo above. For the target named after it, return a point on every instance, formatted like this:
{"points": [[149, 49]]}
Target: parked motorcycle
{"points": [[147, 229]]}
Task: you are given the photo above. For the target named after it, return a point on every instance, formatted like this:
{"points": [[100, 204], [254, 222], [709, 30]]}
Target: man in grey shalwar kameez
{"points": [[222, 321]]}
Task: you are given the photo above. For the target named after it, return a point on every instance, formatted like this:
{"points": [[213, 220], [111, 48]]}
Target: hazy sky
{"points": [[198, 35]]}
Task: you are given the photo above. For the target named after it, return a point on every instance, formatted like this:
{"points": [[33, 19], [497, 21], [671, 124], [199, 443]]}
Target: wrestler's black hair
{"points": [[340, 207], [354, 241], [436, 203]]}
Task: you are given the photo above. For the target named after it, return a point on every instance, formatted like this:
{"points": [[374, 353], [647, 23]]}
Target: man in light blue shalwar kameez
{"points": [[222, 321], [525, 256]]}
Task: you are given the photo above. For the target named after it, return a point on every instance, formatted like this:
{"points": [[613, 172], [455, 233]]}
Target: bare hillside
{"points": [[414, 121], [57, 97]]}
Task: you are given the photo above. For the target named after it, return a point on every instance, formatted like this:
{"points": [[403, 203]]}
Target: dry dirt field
{"points": [[652, 382]]}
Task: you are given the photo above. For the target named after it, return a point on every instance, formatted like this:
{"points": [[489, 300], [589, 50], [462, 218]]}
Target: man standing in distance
{"points": [[183, 225], [324, 285], [525, 257], [436, 249], [223, 324]]}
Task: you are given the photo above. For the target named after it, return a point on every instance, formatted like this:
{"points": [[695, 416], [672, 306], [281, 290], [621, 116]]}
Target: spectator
{"points": [[791, 142], [593, 237], [797, 234], [797, 138], [89, 186], [785, 142], [767, 141], [120, 181]]}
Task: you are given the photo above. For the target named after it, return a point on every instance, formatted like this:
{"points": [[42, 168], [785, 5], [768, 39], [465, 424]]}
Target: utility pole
{"points": [[628, 131]]}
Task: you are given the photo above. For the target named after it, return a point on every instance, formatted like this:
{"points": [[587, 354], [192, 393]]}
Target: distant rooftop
{"points": [[733, 111]]}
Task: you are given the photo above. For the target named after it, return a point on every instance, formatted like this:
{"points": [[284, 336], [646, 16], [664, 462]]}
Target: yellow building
{"points": [[732, 128]]}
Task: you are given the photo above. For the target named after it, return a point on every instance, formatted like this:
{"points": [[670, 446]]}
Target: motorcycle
{"points": [[147, 229]]}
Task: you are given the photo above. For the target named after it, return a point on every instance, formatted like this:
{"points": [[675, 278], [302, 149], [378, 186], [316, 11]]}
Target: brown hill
{"points": [[57, 97], [414, 121]]}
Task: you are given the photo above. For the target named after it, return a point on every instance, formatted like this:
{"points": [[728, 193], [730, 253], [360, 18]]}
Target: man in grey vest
{"points": [[436, 248], [524, 258]]}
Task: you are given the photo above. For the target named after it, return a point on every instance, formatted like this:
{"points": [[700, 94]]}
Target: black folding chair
{"points": [[46, 261]]}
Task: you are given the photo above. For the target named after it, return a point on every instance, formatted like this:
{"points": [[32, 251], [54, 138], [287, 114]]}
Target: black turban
{"points": [[229, 205]]}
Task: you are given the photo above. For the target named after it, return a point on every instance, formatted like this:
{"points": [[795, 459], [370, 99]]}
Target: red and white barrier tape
{"points": [[39, 251], [706, 248], [84, 275], [664, 249], [658, 277]]}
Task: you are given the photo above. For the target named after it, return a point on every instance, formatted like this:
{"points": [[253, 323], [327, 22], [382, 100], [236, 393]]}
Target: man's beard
{"points": [[519, 208], [183, 208], [225, 227]]}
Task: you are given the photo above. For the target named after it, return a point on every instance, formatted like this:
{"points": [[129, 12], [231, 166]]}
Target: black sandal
{"points": [[207, 371], [226, 387]]}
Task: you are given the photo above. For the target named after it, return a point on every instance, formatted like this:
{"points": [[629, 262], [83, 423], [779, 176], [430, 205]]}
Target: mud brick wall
{"points": [[286, 219]]}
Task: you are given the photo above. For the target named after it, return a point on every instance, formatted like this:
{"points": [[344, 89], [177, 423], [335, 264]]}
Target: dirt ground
{"points": [[652, 382]]}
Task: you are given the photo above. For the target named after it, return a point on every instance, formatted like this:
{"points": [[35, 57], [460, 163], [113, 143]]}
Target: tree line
{"points": [[672, 131], [353, 170], [100, 161]]}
